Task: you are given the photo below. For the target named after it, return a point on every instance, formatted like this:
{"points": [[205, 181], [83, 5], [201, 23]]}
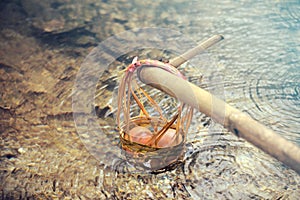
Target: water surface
{"points": [[255, 69]]}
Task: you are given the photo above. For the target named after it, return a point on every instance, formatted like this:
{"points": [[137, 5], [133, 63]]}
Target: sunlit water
{"points": [[258, 68], [255, 69]]}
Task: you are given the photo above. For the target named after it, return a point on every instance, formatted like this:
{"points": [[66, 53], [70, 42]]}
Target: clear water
{"points": [[253, 69], [258, 71]]}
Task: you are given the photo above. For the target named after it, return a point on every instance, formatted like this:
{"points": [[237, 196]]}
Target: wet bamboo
{"points": [[231, 118]]}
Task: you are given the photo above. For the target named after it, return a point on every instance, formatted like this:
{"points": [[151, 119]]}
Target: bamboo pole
{"points": [[176, 62], [231, 118]]}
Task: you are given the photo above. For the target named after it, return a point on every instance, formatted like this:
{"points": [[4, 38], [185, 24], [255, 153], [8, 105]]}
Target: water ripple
{"points": [[222, 171], [275, 94], [289, 13]]}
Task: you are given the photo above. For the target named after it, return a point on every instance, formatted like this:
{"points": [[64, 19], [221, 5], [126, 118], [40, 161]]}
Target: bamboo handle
{"points": [[231, 118], [176, 62]]}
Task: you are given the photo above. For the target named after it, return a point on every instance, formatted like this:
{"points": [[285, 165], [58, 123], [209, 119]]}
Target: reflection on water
{"points": [[257, 68]]}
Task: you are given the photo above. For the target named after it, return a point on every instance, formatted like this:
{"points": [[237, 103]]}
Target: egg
{"points": [[143, 135], [168, 139], [140, 134]]}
